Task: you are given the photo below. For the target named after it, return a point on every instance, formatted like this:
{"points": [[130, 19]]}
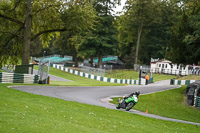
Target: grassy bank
{"points": [[169, 103], [190, 77], [24, 112], [118, 74], [131, 74], [76, 80]]}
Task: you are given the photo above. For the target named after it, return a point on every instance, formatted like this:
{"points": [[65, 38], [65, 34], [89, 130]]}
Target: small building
{"points": [[167, 67]]}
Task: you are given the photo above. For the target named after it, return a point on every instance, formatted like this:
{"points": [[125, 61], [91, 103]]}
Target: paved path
{"points": [[99, 95]]}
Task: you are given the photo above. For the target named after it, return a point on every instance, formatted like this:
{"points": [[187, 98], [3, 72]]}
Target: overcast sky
{"points": [[119, 8]]}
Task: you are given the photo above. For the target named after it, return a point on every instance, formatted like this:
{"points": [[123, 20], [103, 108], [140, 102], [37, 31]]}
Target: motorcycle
{"points": [[127, 103]]}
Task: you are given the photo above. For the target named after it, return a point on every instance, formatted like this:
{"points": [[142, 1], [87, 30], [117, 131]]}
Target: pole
{"points": [[48, 71], [44, 53], [140, 75]]}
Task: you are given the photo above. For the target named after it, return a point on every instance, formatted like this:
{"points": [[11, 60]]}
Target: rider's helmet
{"points": [[137, 93]]}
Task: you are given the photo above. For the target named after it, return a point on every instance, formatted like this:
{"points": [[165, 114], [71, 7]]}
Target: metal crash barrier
{"points": [[193, 94], [198, 102]]}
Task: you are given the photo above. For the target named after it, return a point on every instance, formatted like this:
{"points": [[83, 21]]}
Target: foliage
{"points": [[185, 35], [146, 29], [169, 29], [141, 17], [45, 17], [102, 40], [79, 19], [48, 17]]}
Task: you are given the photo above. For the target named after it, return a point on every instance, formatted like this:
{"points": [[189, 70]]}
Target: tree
{"points": [[40, 18], [156, 40], [27, 33], [87, 49], [102, 40], [185, 35], [79, 19], [22, 21], [139, 16]]}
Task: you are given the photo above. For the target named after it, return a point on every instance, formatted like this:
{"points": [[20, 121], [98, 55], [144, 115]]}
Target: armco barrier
{"points": [[18, 78], [181, 82], [99, 78], [198, 102]]}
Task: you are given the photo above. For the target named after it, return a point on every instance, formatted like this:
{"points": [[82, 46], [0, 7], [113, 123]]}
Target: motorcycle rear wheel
{"points": [[129, 106]]}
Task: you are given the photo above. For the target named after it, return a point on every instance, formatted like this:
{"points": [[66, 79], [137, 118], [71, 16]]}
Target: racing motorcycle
{"points": [[128, 102]]}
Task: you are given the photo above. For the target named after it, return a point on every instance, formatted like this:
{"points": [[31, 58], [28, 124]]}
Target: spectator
{"points": [[147, 79]]}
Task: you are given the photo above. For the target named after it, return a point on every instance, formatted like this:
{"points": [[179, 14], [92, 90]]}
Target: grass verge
{"points": [[119, 74], [127, 74], [130, 74], [76, 80], [25, 112], [190, 77], [159, 77], [170, 103]]}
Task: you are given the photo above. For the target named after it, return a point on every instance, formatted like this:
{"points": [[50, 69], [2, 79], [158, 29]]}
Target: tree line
{"points": [[89, 28]]}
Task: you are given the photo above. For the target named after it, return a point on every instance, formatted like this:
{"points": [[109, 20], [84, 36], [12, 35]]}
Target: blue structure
{"points": [[109, 62], [55, 59], [107, 59]]}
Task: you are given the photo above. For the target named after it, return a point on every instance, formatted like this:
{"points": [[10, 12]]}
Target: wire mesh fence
{"points": [[122, 74], [144, 68], [94, 71], [43, 71]]}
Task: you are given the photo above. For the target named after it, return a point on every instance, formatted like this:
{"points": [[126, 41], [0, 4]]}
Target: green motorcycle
{"points": [[128, 102]]}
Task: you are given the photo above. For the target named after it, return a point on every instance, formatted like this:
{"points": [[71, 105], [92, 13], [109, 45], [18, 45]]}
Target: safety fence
{"points": [[94, 71], [99, 78], [181, 82], [18, 78], [169, 71]]}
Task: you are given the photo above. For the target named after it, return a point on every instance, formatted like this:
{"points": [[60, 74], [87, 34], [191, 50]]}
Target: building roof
{"points": [[55, 59], [154, 61]]}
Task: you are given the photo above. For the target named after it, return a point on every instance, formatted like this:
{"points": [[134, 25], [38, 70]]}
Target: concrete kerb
{"points": [[99, 78], [182, 82]]}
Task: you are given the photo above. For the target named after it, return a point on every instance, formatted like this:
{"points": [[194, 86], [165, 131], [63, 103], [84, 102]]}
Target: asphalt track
{"points": [[99, 96]]}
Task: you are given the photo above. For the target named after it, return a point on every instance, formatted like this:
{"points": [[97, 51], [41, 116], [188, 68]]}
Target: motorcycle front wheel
{"points": [[118, 106], [129, 106]]}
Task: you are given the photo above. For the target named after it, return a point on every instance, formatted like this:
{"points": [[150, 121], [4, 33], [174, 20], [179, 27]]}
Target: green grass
{"points": [[159, 77], [119, 74], [122, 74], [76, 80], [190, 77], [130, 74], [25, 112], [169, 103]]}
